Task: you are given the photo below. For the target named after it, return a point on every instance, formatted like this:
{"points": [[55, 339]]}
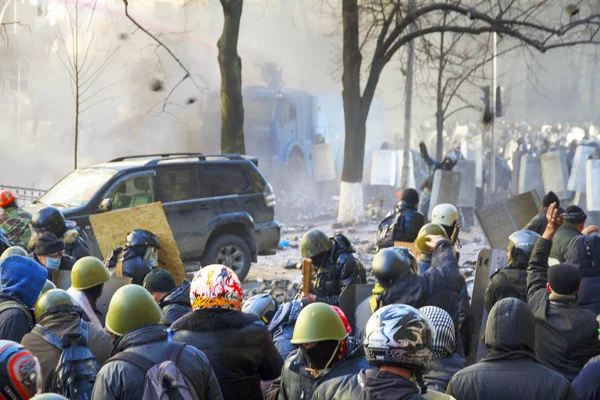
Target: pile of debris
{"points": [[298, 207], [282, 290]]}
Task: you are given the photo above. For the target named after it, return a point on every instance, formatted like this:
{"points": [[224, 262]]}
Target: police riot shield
{"points": [[466, 190], [578, 171], [445, 189], [509, 152], [516, 171], [110, 287], [351, 297], [383, 168], [488, 262], [62, 279], [530, 176], [472, 150], [323, 166], [555, 173], [593, 185], [500, 220], [411, 169]]}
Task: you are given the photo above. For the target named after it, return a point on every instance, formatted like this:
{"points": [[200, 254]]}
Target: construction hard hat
{"points": [[51, 300], [13, 251], [88, 272], [131, 307], [444, 214], [314, 242], [318, 322], [426, 230], [6, 198]]}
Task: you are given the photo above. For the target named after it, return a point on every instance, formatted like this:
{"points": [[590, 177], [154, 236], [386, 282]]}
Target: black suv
{"points": [[220, 207]]}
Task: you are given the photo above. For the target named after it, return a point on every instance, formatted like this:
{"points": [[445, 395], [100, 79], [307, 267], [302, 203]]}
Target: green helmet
{"points": [[13, 251], [314, 242], [88, 272], [52, 298], [318, 322], [131, 307], [48, 285], [428, 229]]}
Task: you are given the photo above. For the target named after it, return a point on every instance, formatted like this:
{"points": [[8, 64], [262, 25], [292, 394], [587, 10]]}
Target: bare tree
{"points": [[386, 30], [230, 64]]}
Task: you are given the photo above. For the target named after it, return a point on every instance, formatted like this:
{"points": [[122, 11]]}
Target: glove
{"points": [[423, 149]]}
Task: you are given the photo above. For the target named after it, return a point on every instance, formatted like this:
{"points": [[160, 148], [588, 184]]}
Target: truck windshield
{"points": [[77, 188], [260, 109]]}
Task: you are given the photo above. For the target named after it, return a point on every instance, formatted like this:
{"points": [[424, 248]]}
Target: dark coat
{"points": [[75, 246], [538, 223], [238, 346], [124, 381], [508, 282], [409, 223], [368, 385], [510, 369], [562, 242], [441, 371], [587, 384], [99, 342], [14, 322], [176, 303], [134, 266], [566, 335], [297, 383]]}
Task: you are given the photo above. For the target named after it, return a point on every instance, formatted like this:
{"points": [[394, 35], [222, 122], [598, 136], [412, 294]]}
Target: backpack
{"points": [[386, 228], [76, 370], [164, 381]]}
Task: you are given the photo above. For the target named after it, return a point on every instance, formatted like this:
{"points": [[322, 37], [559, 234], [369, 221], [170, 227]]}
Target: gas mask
{"points": [[151, 256]]}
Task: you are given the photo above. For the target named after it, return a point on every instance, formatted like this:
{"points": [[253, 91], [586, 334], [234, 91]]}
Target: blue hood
{"points": [[22, 278]]}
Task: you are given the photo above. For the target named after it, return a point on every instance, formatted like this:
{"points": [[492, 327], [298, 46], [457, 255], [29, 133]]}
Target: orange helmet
{"points": [[6, 198]]}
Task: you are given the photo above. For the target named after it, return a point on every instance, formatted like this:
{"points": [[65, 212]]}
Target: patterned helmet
{"points": [[6, 198], [399, 335], [314, 242], [444, 343], [20, 373], [216, 286]]}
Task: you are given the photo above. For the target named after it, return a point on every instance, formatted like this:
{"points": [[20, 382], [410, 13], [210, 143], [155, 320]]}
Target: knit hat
{"points": [[159, 280], [564, 278], [22, 278], [410, 196], [550, 198], [444, 343], [575, 215], [48, 243]]}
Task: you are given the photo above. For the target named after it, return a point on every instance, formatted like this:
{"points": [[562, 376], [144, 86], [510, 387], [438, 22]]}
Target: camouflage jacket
{"points": [[15, 221]]}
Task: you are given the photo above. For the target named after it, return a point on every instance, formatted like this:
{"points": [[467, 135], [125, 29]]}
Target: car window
{"points": [[77, 188], [178, 184], [226, 179], [132, 191]]}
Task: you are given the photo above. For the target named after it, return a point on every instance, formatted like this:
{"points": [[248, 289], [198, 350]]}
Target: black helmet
{"points": [[263, 305], [51, 219], [520, 245], [141, 237], [393, 263], [20, 373]]}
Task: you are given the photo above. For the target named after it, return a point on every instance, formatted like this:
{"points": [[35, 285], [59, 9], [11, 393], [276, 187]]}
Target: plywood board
{"points": [[383, 168], [577, 178], [111, 229], [323, 165]]}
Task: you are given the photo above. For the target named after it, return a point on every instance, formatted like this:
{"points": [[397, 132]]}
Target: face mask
{"points": [[53, 263], [321, 355], [151, 256]]}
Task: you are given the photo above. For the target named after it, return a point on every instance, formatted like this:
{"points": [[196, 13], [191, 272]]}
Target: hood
{"points": [[179, 295], [510, 327], [22, 278], [70, 236], [130, 254], [380, 385], [140, 336]]}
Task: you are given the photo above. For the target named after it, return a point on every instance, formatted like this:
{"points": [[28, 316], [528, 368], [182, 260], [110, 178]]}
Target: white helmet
{"points": [[444, 214]]}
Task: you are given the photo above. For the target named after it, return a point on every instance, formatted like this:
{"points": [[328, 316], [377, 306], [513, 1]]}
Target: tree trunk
{"points": [[230, 64], [439, 115], [351, 201]]}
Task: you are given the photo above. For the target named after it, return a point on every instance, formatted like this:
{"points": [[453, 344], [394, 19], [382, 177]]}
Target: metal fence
{"points": [[24, 195]]}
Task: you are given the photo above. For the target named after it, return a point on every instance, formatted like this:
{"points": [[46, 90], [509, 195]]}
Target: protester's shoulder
{"points": [[342, 387]]}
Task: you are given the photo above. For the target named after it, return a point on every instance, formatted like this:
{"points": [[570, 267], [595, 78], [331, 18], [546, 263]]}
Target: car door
{"points": [[188, 208]]}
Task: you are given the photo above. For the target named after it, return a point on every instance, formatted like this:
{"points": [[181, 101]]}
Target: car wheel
{"points": [[231, 251]]}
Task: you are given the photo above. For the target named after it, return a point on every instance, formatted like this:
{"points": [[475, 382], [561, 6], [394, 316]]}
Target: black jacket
{"points": [[14, 322], [341, 268], [120, 380], [538, 223], [437, 287], [238, 346], [587, 384], [508, 282], [441, 371], [134, 266], [510, 369], [77, 248], [368, 385], [297, 383], [176, 303], [409, 223], [566, 336]]}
